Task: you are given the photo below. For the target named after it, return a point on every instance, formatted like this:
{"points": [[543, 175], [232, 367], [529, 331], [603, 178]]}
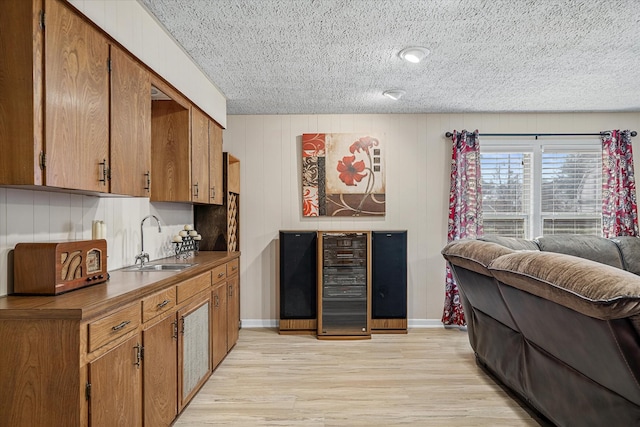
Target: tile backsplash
{"points": [[43, 216]]}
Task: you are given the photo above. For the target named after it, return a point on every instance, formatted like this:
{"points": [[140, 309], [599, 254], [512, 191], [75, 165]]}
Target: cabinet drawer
{"points": [[219, 273], [113, 326], [190, 287], [233, 267], [158, 303]]}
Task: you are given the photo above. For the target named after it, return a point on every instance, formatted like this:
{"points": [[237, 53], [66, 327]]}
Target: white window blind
{"points": [[530, 189], [571, 191], [506, 192]]}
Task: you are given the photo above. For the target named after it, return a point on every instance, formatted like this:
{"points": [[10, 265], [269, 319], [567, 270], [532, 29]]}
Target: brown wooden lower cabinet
{"points": [[219, 323], [99, 357], [160, 373], [194, 347], [233, 311], [114, 395]]}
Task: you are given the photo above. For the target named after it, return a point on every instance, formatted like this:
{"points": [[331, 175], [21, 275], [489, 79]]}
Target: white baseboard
{"points": [[259, 323], [424, 323], [273, 323]]}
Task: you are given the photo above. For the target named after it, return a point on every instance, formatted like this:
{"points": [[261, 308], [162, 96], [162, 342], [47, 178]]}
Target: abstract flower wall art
{"points": [[343, 174]]}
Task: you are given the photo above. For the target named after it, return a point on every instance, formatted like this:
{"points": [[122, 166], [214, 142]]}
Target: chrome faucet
{"points": [[142, 256]]}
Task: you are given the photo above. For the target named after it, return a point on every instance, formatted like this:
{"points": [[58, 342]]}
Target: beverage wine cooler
{"points": [[344, 284]]}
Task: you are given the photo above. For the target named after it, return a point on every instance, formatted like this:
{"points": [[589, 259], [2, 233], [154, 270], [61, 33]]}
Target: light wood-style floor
{"points": [[427, 377]]}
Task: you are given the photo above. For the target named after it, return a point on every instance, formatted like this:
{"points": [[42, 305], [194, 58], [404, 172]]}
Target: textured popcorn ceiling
{"points": [[338, 56]]}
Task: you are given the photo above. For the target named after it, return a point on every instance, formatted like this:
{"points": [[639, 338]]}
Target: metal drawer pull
{"points": [[220, 275], [234, 268], [164, 303], [121, 325]]}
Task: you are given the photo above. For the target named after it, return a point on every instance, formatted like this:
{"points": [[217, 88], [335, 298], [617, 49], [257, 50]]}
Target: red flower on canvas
{"points": [[363, 143], [349, 171]]}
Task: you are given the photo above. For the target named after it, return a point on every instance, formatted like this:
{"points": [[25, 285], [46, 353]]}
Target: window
{"points": [[535, 188]]}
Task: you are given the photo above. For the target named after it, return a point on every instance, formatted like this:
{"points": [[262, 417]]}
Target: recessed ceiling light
{"points": [[394, 94], [414, 54]]}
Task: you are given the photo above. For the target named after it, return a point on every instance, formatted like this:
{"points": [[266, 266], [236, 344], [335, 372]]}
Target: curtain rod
{"points": [[449, 134]]}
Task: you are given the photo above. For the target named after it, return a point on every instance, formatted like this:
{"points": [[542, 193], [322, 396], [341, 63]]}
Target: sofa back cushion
{"points": [[630, 249], [473, 255], [511, 242], [588, 287], [591, 247]]}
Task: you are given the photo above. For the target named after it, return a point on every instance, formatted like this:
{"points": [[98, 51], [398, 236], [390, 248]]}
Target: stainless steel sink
{"points": [[159, 267]]}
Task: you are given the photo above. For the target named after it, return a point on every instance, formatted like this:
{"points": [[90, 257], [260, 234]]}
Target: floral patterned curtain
{"points": [[619, 207], [465, 211]]}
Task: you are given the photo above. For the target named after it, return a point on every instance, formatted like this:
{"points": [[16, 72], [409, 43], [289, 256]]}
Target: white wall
{"points": [[41, 216], [418, 168], [131, 25]]}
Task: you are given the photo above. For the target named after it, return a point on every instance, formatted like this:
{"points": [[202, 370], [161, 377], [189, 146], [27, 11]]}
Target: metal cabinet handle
{"points": [[164, 303], [213, 192], [148, 181], [230, 290], [121, 325], [138, 348], [103, 165], [175, 329], [196, 192], [216, 301], [220, 275]]}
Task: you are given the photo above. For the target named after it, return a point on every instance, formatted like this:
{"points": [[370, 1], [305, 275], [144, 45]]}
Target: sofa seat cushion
{"points": [[473, 254], [591, 288]]}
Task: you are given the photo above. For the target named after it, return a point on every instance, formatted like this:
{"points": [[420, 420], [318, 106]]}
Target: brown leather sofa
{"points": [[556, 320]]}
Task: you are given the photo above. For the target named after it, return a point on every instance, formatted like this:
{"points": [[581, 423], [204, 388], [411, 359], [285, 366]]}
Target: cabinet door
{"points": [[194, 348], [216, 190], [160, 372], [199, 156], [130, 126], [170, 154], [219, 323], [233, 311], [116, 380], [76, 101], [21, 86]]}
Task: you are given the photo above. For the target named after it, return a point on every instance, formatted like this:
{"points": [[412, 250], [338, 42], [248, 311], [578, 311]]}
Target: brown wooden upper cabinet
{"points": [[130, 170], [206, 159], [170, 144], [186, 150], [216, 187], [54, 109]]}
